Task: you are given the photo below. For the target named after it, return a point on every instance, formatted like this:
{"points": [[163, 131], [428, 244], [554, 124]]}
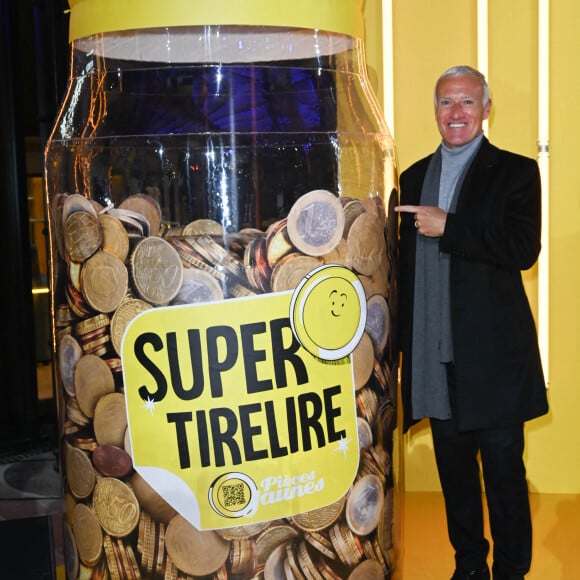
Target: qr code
{"points": [[234, 494]]}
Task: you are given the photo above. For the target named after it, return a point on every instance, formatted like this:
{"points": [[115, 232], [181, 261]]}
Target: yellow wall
{"points": [[431, 35]]}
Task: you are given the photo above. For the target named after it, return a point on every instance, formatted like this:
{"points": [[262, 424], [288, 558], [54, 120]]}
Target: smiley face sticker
{"points": [[328, 312]]}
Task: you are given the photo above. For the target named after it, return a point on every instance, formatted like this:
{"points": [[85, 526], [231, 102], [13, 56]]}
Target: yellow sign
{"points": [[231, 419]]}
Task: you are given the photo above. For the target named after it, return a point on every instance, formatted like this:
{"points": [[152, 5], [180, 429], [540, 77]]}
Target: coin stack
{"points": [[114, 263]]}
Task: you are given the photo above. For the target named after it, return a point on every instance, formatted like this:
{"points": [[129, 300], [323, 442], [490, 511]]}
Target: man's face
{"points": [[459, 110]]}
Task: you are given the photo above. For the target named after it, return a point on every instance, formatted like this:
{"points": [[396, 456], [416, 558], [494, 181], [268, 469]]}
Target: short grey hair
{"points": [[464, 71]]}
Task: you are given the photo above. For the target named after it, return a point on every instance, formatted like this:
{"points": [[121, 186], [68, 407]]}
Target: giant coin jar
{"points": [[220, 190]]}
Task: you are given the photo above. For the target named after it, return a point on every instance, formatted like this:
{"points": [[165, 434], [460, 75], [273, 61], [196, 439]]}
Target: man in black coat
{"points": [[470, 222]]}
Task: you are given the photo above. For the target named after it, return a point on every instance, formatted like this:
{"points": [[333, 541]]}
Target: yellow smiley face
{"points": [[328, 312], [337, 302]]}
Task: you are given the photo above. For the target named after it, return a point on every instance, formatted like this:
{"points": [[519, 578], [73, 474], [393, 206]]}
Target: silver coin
{"points": [[69, 354], [316, 222], [364, 506]]}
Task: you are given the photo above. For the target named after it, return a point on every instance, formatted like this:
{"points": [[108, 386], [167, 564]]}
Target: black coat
{"points": [[492, 236]]}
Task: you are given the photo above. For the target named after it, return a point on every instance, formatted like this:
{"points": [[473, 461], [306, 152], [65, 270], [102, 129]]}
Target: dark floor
{"points": [[30, 516]]}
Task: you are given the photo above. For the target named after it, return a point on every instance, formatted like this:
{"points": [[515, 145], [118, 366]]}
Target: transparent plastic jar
{"points": [[220, 189]]}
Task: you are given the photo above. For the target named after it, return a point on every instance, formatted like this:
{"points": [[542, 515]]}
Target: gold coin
{"points": [[194, 552], [352, 208], [160, 548], [367, 570], [352, 543], [75, 202], [122, 558], [366, 246], [292, 562], [115, 506], [147, 206], [95, 335], [278, 243], [327, 572], [375, 205], [202, 226], [80, 472], [69, 354], [242, 532], [338, 544], [289, 573], [69, 503], [97, 346], [321, 543], [82, 234], [271, 538], [171, 571], [157, 271], [363, 361], [134, 566], [151, 532], [73, 270], [379, 374], [93, 379], [381, 456], [104, 281], [368, 403], [290, 270], [219, 257], [316, 222], [249, 233], [243, 557], [198, 286], [93, 323], [125, 313], [150, 500], [86, 444], [368, 550], [319, 519], [55, 216], [257, 268], [88, 535], [368, 466], [338, 255], [238, 291], [306, 563], [110, 419], [111, 557], [74, 413], [193, 259], [381, 279], [274, 566], [364, 506], [141, 530], [367, 283], [384, 529], [200, 250], [115, 238]]}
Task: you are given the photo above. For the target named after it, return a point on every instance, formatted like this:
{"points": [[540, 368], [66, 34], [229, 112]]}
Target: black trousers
{"points": [[504, 475]]}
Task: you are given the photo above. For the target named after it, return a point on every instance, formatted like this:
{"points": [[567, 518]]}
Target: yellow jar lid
{"points": [[88, 17]]}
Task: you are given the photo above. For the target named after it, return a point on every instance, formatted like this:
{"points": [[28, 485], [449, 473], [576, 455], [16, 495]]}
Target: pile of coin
{"points": [[112, 263]]}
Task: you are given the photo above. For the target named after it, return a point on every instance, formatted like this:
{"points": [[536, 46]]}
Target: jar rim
{"points": [[215, 44], [89, 17]]}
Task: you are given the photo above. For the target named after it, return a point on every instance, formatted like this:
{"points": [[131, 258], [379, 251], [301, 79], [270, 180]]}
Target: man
{"points": [[470, 222]]}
